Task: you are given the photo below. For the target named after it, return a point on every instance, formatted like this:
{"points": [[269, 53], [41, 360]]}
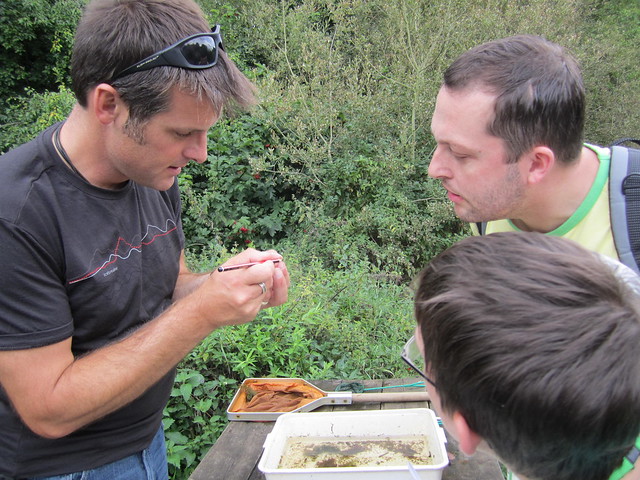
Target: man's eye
{"points": [[181, 134]]}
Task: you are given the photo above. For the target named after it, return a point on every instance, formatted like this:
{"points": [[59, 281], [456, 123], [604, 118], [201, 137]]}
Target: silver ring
{"points": [[263, 287]]}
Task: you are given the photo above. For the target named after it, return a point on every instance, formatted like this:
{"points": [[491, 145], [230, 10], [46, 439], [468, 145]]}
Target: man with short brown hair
{"points": [[508, 124], [97, 305]]}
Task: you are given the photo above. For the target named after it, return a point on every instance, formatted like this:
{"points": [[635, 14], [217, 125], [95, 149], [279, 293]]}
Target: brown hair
{"points": [[539, 88], [534, 340], [114, 34]]}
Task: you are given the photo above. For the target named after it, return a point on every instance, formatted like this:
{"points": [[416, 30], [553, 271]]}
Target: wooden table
{"points": [[236, 454]]}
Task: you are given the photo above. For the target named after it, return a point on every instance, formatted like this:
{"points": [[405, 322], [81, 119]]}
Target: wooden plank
{"points": [[399, 385], [357, 406], [236, 453]]}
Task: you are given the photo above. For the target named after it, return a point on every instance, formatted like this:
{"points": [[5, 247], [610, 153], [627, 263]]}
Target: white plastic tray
{"points": [[362, 423]]}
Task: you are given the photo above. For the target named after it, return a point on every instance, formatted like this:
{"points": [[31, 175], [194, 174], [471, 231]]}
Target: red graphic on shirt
{"points": [[124, 249]]}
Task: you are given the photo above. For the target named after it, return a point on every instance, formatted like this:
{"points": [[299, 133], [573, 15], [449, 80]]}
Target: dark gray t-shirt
{"points": [[82, 262]]}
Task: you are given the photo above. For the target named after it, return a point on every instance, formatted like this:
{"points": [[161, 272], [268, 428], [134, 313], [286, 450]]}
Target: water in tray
{"points": [[337, 452]]}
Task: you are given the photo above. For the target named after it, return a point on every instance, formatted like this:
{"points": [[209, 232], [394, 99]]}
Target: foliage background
{"points": [[330, 169]]}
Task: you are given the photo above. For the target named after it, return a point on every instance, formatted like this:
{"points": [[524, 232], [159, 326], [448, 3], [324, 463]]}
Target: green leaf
{"points": [[185, 390]]}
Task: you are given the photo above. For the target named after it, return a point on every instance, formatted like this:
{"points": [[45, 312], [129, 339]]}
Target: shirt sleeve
{"points": [[34, 307]]}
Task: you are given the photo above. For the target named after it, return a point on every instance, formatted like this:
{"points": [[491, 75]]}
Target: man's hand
{"points": [[235, 296]]}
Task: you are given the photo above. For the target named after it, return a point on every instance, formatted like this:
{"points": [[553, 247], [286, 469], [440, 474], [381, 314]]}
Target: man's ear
{"points": [[468, 440], [106, 103], [539, 162]]}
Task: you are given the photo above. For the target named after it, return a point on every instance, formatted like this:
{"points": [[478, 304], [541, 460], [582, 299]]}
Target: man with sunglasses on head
{"points": [[97, 305], [529, 347]]}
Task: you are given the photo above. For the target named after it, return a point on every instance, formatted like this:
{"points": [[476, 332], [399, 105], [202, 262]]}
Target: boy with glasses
{"points": [[529, 346], [97, 305]]}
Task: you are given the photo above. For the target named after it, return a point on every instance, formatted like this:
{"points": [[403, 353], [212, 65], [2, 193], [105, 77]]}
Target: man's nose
{"points": [[197, 151], [437, 165]]}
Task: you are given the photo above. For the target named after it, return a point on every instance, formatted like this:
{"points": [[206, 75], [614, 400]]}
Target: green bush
{"points": [[396, 233], [194, 417], [24, 117], [235, 198], [36, 36]]}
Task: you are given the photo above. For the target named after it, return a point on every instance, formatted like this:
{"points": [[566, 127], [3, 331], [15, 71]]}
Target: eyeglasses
{"points": [[412, 356], [194, 53]]}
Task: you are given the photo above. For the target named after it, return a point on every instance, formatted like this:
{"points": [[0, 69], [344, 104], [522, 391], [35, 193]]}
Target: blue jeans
{"points": [[149, 464]]}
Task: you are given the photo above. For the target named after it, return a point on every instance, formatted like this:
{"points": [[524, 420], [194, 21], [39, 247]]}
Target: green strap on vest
{"points": [[626, 466], [628, 462]]}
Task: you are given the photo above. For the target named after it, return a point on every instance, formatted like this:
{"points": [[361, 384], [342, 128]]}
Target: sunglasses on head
{"points": [[194, 52]]}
